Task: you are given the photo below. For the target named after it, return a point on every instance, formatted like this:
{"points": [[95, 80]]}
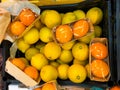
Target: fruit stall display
{"points": [[70, 44]]}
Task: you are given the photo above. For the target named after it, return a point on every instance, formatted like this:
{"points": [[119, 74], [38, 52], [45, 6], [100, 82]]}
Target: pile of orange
{"points": [[66, 32], [29, 70], [25, 18]]}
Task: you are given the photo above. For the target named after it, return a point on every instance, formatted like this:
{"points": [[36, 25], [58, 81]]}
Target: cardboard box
{"points": [[20, 75]]}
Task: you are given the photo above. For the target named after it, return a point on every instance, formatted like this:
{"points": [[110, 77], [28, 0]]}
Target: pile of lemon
{"points": [[52, 60]]}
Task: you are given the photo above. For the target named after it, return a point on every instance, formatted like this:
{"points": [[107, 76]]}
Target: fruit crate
{"points": [[107, 32]]}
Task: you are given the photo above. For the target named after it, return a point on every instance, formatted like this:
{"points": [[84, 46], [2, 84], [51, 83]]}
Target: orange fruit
{"points": [[116, 87], [64, 33], [39, 88], [80, 28], [48, 86], [17, 28], [99, 50], [19, 63], [32, 72], [27, 16], [99, 68]]}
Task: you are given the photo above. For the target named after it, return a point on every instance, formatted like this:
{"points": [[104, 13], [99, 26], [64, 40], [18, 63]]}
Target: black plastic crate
{"points": [[108, 32]]}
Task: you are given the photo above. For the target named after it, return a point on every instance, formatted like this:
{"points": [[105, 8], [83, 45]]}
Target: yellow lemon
{"points": [[54, 63], [80, 14], [31, 52], [52, 50], [75, 61], [22, 45], [95, 14], [62, 71], [80, 51], [66, 56], [32, 36], [97, 30], [45, 34], [52, 18], [68, 45], [87, 66], [38, 61], [68, 17], [48, 73], [77, 73]]}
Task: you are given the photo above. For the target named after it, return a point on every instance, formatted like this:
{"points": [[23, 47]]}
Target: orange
{"points": [[80, 28], [99, 68], [19, 63], [17, 28], [32, 72], [39, 88], [48, 86], [27, 16], [99, 50], [116, 87], [64, 33]]}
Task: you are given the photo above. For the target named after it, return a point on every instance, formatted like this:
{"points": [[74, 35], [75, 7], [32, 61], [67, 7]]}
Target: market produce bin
{"points": [[107, 32]]}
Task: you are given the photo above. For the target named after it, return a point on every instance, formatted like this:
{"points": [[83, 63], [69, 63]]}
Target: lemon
{"points": [[38, 61], [45, 34], [80, 14], [68, 45], [87, 38], [52, 18], [59, 61], [66, 56], [95, 14], [31, 52], [32, 36], [48, 73], [52, 50], [38, 24], [62, 71], [80, 51], [88, 70], [77, 73], [25, 60], [39, 45], [75, 61], [69, 17], [54, 63], [98, 31], [22, 45]]}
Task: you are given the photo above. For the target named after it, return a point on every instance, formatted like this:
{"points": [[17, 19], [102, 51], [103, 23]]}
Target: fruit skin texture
{"points": [[99, 68], [51, 18], [17, 28], [52, 50], [63, 71], [68, 17], [45, 34], [63, 33], [22, 46], [27, 16], [32, 72], [32, 36], [80, 51], [95, 14], [48, 86], [38, 61], [77, 73], [19, 63], [80, 28], [48, 73], [116, 87], [31, 52], [99, 50], [80, 14]]}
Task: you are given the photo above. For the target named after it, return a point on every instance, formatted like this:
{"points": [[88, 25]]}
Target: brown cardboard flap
{"points": [[19, 74]]}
